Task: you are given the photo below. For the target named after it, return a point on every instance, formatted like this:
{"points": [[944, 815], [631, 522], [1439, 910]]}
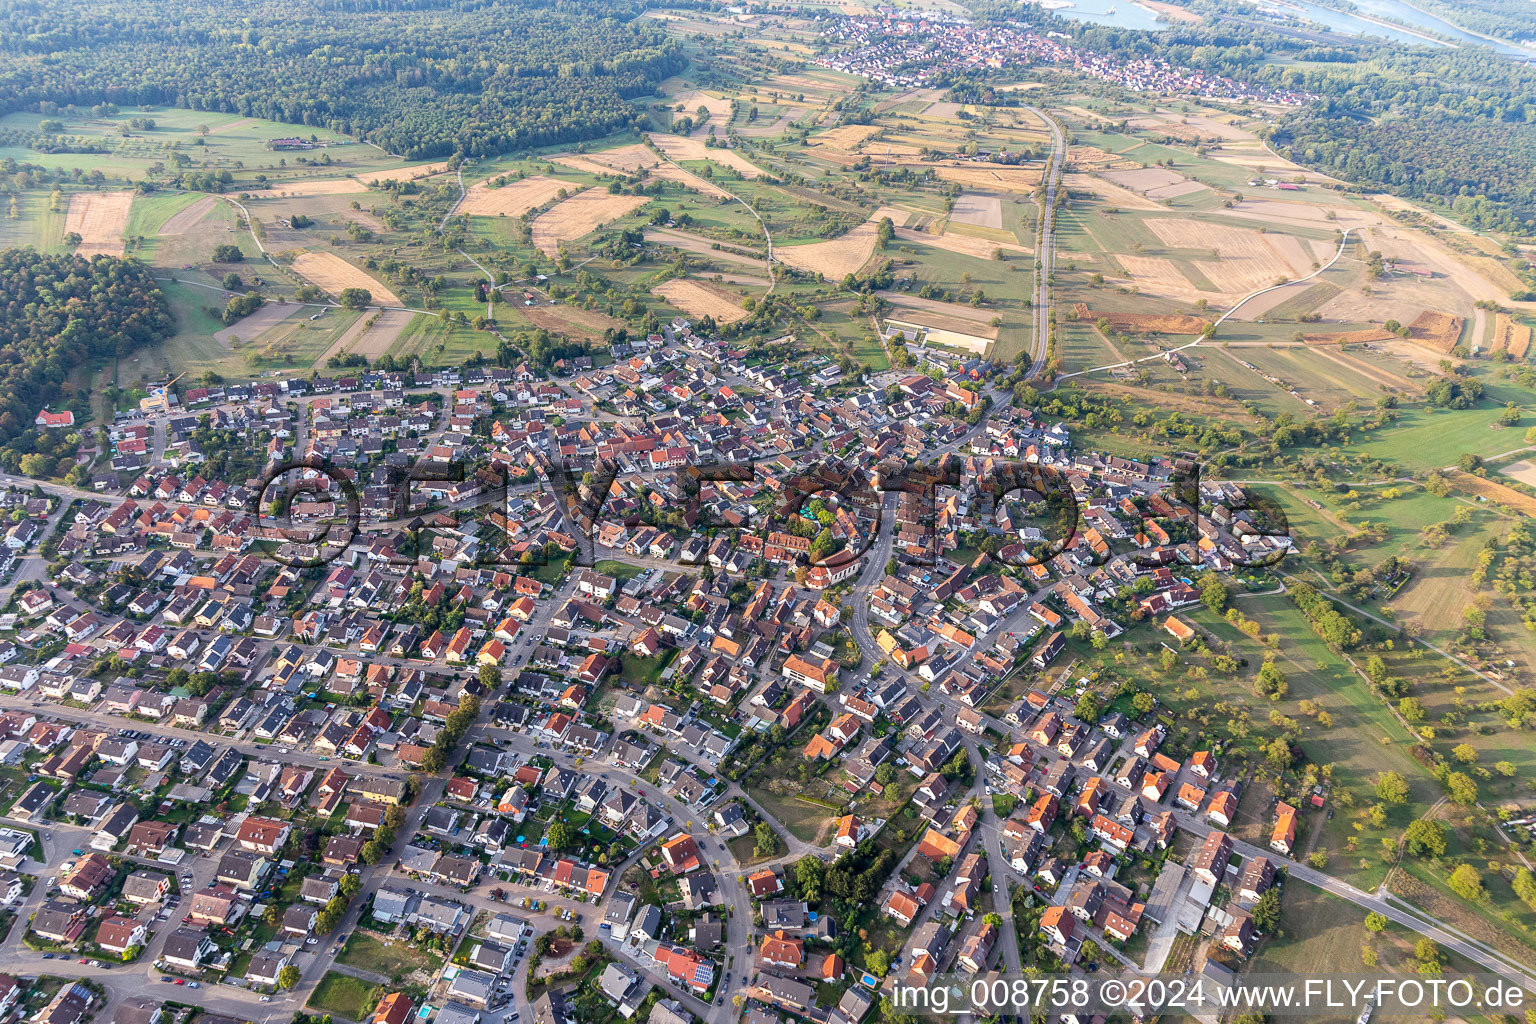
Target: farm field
{"points": [[334, 275], [578, 216], [700, 299]]}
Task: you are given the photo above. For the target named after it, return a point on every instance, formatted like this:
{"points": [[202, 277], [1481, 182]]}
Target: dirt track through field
{"points": [[184, 219], [334, 274], [98, 218]]}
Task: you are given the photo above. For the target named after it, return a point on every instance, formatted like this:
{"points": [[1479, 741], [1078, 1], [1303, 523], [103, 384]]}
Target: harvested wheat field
{"points": [[1349, 337], [1145, 179], [844, 137], [98, 218], [584, 164], [580, 215], [333, 274], [1146, 323], [186, 218], [1243, 259], [676, 147], [1510, 337], [572, 320], [1005, 179], [1155, 275], [1093, 158], [981, 210], [1108, 191], [323, 187], [1493, 491], [512, 199], [249, 328], [839, 256], [698, 299], [401, 173], [965, 245], [687, 179], [1439, 331], [370, 336], [705, 247]]}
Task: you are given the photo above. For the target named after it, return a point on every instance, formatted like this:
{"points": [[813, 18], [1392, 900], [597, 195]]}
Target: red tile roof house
{"points": [[263, 835], [118, 934]]}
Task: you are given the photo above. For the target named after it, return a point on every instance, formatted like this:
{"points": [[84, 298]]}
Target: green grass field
{"points": [[345, 996]]}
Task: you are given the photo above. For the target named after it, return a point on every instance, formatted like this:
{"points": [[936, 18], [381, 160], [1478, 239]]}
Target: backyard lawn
{"points": [[342, 995]]}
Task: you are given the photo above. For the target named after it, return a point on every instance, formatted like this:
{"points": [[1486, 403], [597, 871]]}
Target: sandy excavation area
{"points": [[512, 199], [698, 299], [333, 274], [580, 215], [98, 218]]}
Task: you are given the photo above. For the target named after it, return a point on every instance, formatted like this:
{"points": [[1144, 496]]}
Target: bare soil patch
{"points": [[698, 299], [1439, 331], [512, 199], [1523, 471], [1510, 337], [580, 215], [98, 218], [333, 274]]}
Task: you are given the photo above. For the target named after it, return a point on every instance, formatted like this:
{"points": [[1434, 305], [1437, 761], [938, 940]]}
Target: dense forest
{"points": [[1454, 125], [60, 311], [421, 78]]}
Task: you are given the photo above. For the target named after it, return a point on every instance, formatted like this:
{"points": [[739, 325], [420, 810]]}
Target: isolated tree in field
{"points": [[355, 298], [1392, 788], [1424, 838], [1376, 923], [1467, 882]]}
